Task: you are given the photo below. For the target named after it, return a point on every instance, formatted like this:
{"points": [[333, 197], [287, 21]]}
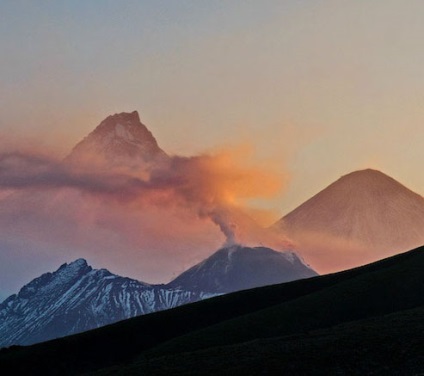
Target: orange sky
{"points": [[322, 88], [318, 89]]}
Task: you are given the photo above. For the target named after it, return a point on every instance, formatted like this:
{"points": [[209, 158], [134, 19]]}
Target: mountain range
{"points": [[362, 217], [363, 321], [77, 298]]}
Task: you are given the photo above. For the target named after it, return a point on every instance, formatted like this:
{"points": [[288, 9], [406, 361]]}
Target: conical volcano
{"points": [[239, 267], [363, 216]]}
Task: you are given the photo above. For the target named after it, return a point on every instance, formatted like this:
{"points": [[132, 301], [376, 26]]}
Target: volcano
{"points": [[238, 267], [362, 217], [120, 139], [76, 298]]}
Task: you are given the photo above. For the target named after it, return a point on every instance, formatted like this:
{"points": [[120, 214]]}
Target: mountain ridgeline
{"points": [[367, 320], [360, 218], [77, 298], [120, 139]]}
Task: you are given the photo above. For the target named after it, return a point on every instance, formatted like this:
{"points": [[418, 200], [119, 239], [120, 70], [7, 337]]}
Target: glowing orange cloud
{"points": [[161, 218]]}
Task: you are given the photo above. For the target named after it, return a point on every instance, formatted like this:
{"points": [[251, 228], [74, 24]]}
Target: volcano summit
{"points": [[362, 217], [119, 139]]}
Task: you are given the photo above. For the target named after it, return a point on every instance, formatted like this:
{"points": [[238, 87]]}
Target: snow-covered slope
{"points": [[77, 298], [238, 268], [364, 216]]}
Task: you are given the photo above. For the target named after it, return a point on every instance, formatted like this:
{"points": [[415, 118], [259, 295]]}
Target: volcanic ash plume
{"points": [[218, 187], [215, 187]]}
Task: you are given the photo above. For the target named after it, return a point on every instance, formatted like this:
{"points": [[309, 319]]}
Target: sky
{"points": [[317, 89]]}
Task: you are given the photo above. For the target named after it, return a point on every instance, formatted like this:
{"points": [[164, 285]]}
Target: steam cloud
{"points": [[150, 226], [213, 186]]}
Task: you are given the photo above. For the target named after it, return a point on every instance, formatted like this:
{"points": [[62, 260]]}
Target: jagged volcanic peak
{"points": [[77, 298], [119, 139]]}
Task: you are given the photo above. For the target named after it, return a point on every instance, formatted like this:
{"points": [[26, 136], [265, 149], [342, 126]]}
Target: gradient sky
{"points": [[320, 88]]}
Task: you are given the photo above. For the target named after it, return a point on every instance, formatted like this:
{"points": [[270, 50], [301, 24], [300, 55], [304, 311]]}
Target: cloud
{"points": [[213, 186], [148, 226]]}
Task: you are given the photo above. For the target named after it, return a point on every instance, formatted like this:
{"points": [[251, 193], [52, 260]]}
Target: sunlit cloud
{"points": [[182, 210]]}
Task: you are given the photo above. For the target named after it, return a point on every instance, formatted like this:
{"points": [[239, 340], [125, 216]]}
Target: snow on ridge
{"points": [[290, 256], [77, 298]]}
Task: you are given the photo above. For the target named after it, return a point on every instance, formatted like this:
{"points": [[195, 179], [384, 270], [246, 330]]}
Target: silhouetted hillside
{"points": [[251, 317]]}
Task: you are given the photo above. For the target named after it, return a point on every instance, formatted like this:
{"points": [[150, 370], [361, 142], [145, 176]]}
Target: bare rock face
{"points": [[364, 216], [120, 139]]}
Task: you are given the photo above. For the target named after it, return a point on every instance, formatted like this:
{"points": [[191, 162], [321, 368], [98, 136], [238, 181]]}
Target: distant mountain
{"points": [[362, 211], [363, 321], [119, 139], [237, 268], [76, 298]]}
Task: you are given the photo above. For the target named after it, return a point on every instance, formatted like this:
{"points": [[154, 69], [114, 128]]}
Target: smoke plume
{"points": [[164, 216]]}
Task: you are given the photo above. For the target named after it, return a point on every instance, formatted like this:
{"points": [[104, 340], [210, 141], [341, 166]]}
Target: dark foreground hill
{"points": [[384, 345], [367, 320]]}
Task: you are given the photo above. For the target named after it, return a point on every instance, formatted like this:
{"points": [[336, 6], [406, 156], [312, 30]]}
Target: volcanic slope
{"points": [[332, 312], [237, 267], [362, 217]]}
